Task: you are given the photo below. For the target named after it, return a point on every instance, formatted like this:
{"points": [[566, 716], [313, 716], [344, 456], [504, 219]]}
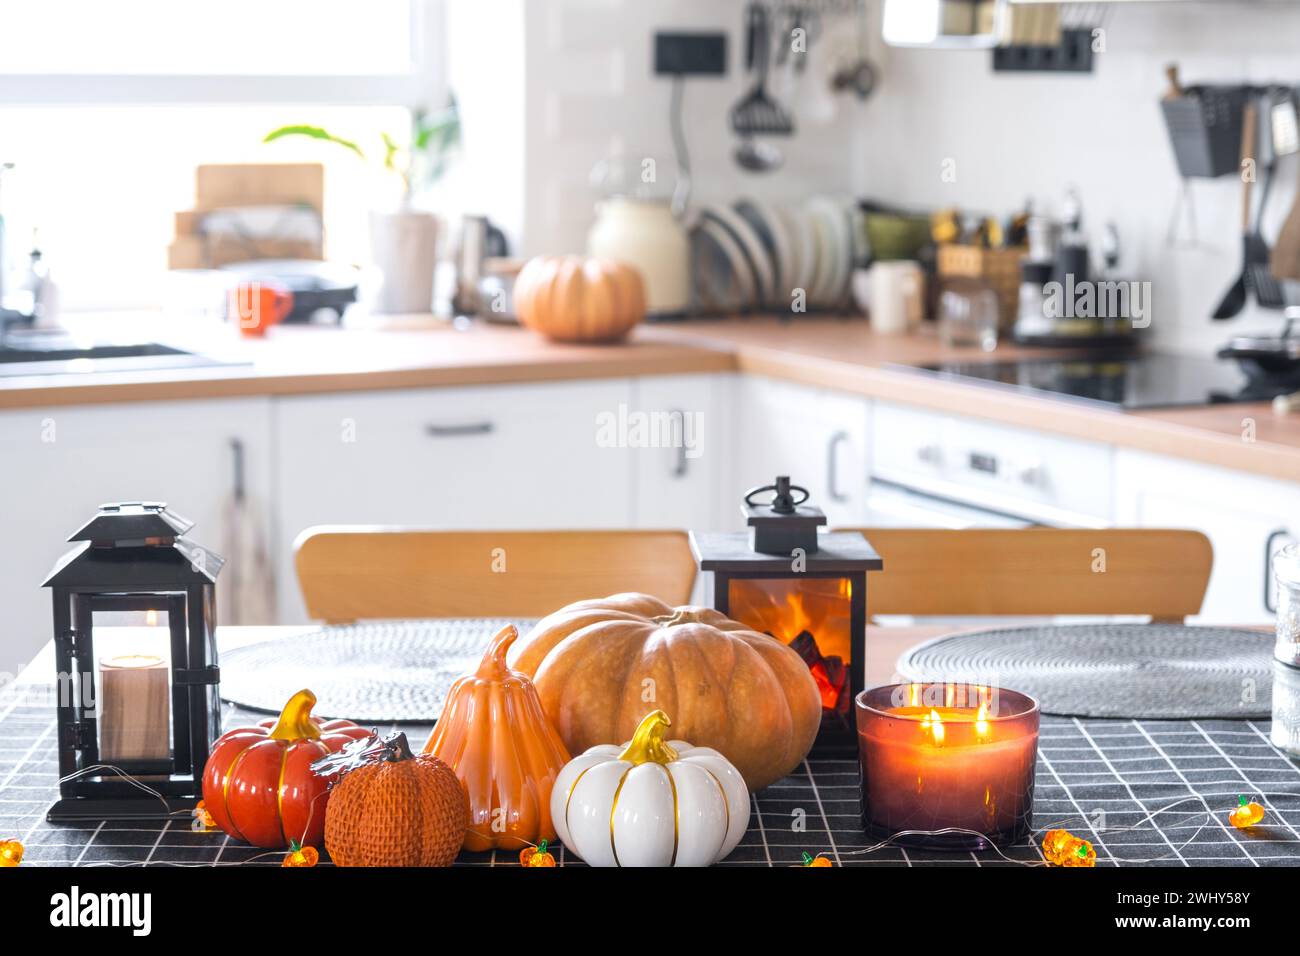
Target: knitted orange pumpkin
{"points": [[496, 737], [396, 809]]}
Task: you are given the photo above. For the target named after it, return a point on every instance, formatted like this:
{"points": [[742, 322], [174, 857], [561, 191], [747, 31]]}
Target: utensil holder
{"points": [[1205, 129]]}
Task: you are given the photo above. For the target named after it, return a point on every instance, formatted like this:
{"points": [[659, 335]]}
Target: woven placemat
{"points": [[377, 673], [1111, 670]]}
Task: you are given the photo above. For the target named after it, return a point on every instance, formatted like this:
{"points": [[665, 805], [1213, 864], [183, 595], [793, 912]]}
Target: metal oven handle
{"points": [[832, 466], [1270, 602]]}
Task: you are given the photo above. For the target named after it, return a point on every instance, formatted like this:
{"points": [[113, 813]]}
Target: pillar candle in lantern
{"points": [[947, 756], [133, 724]]}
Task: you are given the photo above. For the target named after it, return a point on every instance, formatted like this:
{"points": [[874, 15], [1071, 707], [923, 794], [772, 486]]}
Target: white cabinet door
{"points": [[816, 436], [60, 464], [678, 423], [500, 456], [1246, 519]]}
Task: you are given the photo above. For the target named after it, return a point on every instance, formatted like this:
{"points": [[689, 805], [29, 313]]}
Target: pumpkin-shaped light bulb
{"points": [[818, 860], [11, 853], [202, 822], [300, 855], [536, 855], [1246, 815]]}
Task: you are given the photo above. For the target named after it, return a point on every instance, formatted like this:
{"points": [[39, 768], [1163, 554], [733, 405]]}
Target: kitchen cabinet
{"points": [[1245, 517], [480, 457], [816, 436], [683, 450], [60, 464]]}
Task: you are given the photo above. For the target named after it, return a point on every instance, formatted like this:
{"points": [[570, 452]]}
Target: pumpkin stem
{"points": [[396, 748], [648, 744], [680, 615], [295, 721], [493, 665]]}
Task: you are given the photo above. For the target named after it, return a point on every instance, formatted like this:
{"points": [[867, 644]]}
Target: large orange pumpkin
{"points": [[258, 785], [577, 299], [495, 736], [599, 664]]}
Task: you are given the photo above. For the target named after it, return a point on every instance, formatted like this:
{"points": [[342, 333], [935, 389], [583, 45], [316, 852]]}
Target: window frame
{"points": [[423, 85]]}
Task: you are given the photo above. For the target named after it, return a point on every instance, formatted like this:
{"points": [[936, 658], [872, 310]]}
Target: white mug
{"points": [[892, 293]]}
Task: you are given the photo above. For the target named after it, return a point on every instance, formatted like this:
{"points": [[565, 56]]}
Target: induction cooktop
{"points": [[1128, 381]]}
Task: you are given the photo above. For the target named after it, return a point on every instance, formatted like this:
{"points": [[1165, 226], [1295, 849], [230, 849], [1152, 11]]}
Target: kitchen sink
{"points": [[57, 353]]}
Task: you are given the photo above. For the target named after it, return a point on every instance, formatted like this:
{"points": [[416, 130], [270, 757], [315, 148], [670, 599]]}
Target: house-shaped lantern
{"points": [[134, 622], [806, 589]]}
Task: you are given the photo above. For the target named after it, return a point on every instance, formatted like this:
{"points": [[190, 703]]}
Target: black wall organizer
{"points": [[1072, 55]]}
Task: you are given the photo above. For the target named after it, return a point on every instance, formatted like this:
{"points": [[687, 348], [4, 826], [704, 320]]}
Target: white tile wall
{"points": [[579, 83]]}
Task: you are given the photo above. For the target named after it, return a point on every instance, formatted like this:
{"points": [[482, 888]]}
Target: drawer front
{"points": [[504, 456], [1042, 477], [522, 456]]}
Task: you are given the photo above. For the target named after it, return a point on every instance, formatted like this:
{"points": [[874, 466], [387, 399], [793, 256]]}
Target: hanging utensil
{"points": [[1259, 277], [757, 114], [1234, 300]]}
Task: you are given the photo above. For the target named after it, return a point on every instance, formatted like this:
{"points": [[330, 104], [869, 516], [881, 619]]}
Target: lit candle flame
{"points": [[151, 617], [982, 721], [935, 726]]}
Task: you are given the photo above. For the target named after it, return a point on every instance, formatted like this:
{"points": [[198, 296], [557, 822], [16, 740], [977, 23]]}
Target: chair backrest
{"points": [[1039, 571], [354, 573]]}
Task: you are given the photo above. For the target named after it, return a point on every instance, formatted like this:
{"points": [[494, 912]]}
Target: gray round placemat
{"points": [[376, 673], [1111, 670]]}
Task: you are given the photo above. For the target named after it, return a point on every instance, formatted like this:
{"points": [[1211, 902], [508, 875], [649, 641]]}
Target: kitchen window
{"points": [[106, 110]]}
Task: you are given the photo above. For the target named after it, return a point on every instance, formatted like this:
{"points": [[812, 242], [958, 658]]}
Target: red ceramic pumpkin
{"points": [[258, 784]]}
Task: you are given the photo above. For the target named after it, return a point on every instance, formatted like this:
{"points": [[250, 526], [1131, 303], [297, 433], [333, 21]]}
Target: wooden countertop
{"points": [[834, 353]]}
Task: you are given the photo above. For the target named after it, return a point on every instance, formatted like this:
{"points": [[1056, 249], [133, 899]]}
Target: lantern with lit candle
{"points": [[806, 589], [947, 765], [139, 592]]}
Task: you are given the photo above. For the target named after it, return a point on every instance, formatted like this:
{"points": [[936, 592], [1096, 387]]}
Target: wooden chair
{"points": [[351, 573], [1038, 571]]}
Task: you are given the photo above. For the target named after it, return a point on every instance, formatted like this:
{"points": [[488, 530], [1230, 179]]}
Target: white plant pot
{"points": [[404, 247]]}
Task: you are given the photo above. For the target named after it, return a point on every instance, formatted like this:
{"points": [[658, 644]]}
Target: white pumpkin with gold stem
{"points": [[650, 802]]}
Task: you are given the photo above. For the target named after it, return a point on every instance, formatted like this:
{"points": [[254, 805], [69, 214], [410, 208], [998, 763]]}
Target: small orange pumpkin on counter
{"points": [[742, 693], [578, 299], [395, 809], [494, 734], [258, 785]]}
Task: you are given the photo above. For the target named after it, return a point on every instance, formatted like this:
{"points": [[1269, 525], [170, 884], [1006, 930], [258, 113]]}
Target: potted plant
{"points": [[403, 241]]}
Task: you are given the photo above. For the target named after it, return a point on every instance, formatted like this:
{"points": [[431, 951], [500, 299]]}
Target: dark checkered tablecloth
{"points": [[1145, 792]]}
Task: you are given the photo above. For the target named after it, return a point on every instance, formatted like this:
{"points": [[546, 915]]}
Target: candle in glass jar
{"points": [[939, 757]]}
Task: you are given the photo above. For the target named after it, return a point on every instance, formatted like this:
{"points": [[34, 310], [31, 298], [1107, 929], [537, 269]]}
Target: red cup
{"points": [[256, 306]]}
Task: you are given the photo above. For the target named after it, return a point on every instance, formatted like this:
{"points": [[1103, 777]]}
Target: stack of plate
{"points": [[756, 255]]}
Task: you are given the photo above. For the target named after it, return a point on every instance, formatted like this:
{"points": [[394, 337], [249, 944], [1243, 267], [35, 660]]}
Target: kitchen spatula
{"points": [[1234, 300], [756, 113]]}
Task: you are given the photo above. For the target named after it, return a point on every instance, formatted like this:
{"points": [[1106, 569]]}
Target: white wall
{"points": [[1018, 135], [588, 90]]}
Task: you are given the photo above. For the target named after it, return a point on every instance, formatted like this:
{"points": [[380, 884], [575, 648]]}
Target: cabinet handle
{"points": [[679, 439], [1270, 604], [459, 431], [832, 456], [238, 484]]}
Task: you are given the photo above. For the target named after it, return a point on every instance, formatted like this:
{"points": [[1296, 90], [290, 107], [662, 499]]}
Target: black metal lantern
{"points": [[806, 589], [148, 705]]}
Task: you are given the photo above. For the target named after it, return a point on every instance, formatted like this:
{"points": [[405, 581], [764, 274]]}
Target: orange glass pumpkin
{"points": [[258, 785], [494, 734], [577, 299]]}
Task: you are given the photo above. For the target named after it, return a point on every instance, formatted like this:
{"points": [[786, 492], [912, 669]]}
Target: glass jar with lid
{"points": [[1286, 571]]}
